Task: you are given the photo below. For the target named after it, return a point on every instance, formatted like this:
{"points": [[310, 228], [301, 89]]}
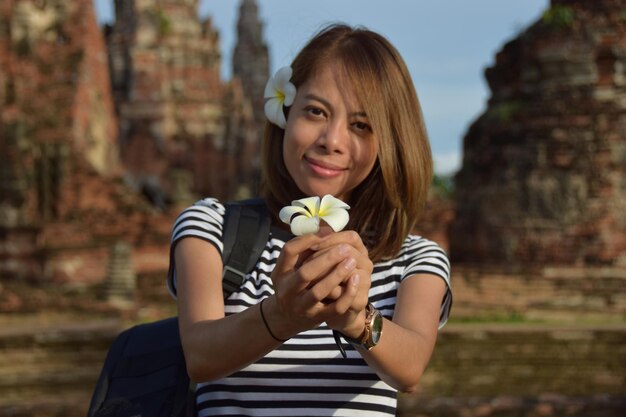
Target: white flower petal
{"points": [[312, 204], [270, 89], [276, 83], [330, 202], [287, 212], [310, 211], [279, 92], [336, 218], [274, 112], [302, 225], [289, 90], [282, 76]]}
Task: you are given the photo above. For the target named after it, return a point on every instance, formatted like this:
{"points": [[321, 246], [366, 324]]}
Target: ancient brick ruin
{"points": [[183, 133], [250, 58], [92, 125], [251, 66], [543, 178], [62, 201]]}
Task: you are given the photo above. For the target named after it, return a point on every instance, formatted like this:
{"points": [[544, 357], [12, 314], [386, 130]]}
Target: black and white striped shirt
{"points": [[305, 376]]}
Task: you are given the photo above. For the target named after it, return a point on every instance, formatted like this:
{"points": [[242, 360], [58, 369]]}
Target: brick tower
{"points": [[543, 176], [180, 126], [251, 66]]}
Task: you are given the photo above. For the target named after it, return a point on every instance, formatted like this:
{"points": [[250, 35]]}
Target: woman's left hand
{"points": [[349, 319]]}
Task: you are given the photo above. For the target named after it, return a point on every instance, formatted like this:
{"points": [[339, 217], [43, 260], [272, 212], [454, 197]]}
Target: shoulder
{"points": [[207, 205], [421, 255], [212, 208], [203, 219], [416, 242], [418, 256]]}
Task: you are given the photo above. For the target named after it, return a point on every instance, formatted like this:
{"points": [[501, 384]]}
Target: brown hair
{"points": [[386, 205]]}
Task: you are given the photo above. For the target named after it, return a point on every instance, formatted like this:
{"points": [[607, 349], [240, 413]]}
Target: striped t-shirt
{"points": [[305, 376]]}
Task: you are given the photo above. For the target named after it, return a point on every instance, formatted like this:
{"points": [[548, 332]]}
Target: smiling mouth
{"points": [[323, 169]]}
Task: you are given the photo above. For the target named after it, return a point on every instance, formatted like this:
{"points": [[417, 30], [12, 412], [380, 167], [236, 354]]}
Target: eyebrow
{"points": [[326, 103]]}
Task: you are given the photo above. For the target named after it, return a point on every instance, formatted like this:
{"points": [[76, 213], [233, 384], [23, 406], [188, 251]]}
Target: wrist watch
{"points": [[372, 332]]}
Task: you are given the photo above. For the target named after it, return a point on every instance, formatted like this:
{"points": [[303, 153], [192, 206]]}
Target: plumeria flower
{"points": [[304, 215], [279, 92]]}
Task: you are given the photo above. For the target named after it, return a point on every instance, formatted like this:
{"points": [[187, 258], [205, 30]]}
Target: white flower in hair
{"points": [[279, 92], [304, 215]]}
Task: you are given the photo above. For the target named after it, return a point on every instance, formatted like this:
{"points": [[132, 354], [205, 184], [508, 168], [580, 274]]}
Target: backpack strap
{"points": [[246, 230]]}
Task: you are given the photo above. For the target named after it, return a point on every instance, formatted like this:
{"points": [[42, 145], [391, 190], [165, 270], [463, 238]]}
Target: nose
{"points": [[334, 138]]}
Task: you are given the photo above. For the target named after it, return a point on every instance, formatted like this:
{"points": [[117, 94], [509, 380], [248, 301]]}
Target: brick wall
{"points": [[487, 360], [539, 294], [524, 370]]}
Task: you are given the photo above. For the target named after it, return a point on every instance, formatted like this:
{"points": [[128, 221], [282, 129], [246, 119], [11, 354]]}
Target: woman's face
{"points": [[329, 146]]}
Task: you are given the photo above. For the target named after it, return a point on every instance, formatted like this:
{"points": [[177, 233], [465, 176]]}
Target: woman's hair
{"points": [[386, 205]]}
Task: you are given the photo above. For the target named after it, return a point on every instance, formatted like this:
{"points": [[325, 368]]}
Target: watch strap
{"points": [[366, 340]]}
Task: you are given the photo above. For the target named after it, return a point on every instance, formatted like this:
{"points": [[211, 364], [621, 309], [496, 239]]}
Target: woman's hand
{"points": [[323, 277], [310, 285], [349, 319]]}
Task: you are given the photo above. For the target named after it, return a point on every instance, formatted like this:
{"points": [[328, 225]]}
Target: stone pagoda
{"points": [[62, 199], [251, 66], [183, 133], [92, 124], [543, 179]]}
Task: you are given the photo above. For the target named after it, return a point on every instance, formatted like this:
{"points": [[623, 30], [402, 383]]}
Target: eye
{"points": [[315, 112], [362, 126]]}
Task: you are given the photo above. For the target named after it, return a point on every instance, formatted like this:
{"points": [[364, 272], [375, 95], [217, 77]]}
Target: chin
{"points": [[317, 189], [319, 193]]}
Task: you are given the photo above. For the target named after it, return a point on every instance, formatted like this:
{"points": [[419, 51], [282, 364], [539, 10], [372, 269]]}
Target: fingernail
{"points": [[355, 279], [350, 263], [343, 249]]}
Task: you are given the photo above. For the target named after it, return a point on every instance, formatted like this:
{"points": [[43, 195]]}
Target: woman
{"points": [[353, 131]]}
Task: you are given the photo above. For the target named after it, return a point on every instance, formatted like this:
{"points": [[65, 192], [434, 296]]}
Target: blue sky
{"points": [[447, 44]]}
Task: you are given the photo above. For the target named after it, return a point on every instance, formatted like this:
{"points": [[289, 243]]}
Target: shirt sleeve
{"points": [[426, 257], [203, 220]]}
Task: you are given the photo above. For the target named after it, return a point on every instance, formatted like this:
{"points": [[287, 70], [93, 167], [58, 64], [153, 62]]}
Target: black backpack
{"points": [[144, 373]]}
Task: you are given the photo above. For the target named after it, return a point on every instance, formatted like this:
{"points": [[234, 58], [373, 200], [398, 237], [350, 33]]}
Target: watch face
{"points": [[377, 327]]}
